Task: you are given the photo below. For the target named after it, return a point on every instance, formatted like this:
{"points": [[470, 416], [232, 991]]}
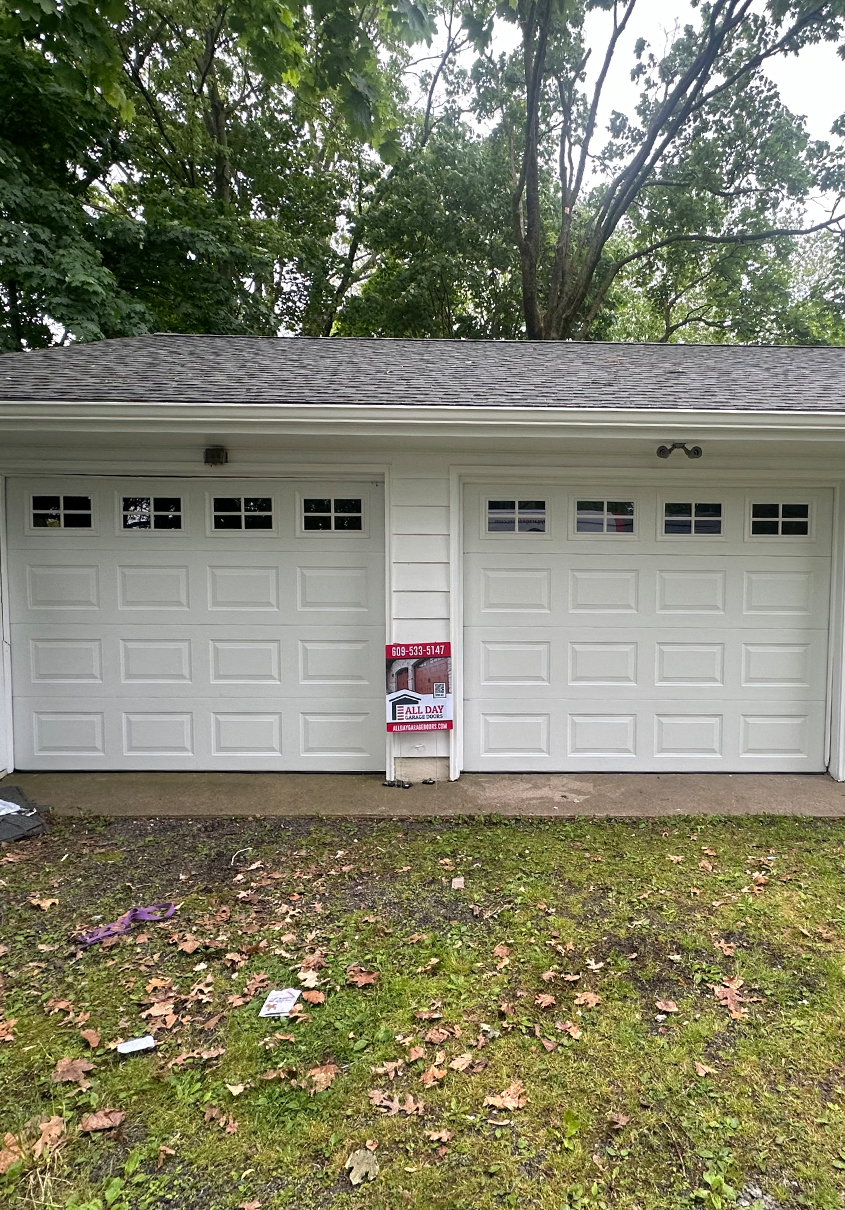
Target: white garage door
{"points": [[178, 624], [617, 628]]}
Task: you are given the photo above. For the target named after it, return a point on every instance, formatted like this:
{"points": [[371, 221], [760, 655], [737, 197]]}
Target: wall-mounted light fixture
{"points": [[215, 455], [691, 451]]}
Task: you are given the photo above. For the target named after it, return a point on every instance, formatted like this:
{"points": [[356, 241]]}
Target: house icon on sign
{"points": [[399, 704]]}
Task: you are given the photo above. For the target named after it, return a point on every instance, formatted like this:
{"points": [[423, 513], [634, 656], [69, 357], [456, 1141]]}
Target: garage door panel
{"points": [[640, 652], [252, 732], [197, 649]]}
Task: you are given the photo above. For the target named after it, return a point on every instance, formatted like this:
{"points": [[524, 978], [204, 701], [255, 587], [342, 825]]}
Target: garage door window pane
{"points": [[61, 512], [681, 518], [167, 512], [501, 516], [157, 512], [338, 514], [136, 512], [243, 512], [786, 520], [531, 516], [604, 516]]}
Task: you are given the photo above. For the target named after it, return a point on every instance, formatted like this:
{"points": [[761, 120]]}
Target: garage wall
{"points": [[419, 528]]}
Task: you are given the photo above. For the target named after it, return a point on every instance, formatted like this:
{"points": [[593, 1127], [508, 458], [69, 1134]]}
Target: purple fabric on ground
{"points": [[135, 915]]}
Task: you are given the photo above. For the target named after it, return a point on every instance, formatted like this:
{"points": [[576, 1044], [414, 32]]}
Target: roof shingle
{"points": [[429, 373]]}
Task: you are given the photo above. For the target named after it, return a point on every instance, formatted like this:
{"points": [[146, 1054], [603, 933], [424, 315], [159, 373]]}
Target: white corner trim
{"points": [[7, 761]]}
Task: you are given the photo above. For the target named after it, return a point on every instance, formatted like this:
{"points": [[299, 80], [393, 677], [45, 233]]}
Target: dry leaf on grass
{"points": [[7, 1030], [10, 1153], [314, 997], [666, 1006], [567, 1027], [392, 1105], [674, 857], [458, 883], [323, 1076], [358, 977], [701, 1069], [362, 1165], [48, 1140], [44, 904], [587, 999], [308, 978], [103, 1119], [91, 1037], [513, 1097], [416, 1052], [371, 1144], [461, 1062], [436, 1035], [570, 978], [163, 1152], [431, 1076], [72, 1071], [249, 1205], [544, 1000], [236, 1089], [618, 1120], [439, 1136]]}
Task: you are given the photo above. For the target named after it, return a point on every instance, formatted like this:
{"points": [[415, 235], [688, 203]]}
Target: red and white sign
{"points": [[419, 686]]}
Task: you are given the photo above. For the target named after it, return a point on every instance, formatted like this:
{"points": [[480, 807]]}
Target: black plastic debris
{"points": [[19, 819]]}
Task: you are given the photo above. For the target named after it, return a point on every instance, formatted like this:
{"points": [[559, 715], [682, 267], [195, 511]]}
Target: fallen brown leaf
{"points": [[323, 1076], [544, 1000], [701, 1069], [567, 1027], [431, 1076], [44, 904], [10, 1153], [439, 1136], [666, 1006], [48, 1140], [512, 1097], [72, 1071], [618, 1120], [163, 1152], [236, 1089], [461, 1062], [103, 1119], [358, 977], [91, 1037], [588, 999], [311, 997]]}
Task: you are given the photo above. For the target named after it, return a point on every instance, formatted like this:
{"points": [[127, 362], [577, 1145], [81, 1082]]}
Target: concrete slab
{"points": [[556, 796]]}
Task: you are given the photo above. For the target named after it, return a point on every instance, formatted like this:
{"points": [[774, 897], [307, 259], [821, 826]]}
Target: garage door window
{"points": [[61, 512], [680, 519], [243, 512], [332, 514], [604, 517], [152, 512], [780, 520], [516, 516]]}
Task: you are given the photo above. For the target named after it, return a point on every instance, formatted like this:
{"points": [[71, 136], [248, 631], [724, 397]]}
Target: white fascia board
{"points": [[18, 416]]}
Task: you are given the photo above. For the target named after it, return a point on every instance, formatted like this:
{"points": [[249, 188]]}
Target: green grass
{"points": [[597, 898]]}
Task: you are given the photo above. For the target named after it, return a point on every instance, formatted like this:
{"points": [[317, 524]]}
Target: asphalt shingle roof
{"points": [[441, 373]]}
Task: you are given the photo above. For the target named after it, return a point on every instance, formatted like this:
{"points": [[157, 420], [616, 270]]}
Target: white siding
{"points": [[419, 528]]}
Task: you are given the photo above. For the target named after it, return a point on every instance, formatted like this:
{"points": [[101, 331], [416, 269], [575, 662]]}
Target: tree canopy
{"points": [[413, 168]]}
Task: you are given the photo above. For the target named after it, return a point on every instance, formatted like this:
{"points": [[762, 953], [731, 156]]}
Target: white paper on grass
{"points": [[280, 1002], [135, 1044]]}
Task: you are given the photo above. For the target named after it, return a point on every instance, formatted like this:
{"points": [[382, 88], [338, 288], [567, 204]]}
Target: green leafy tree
{"points": [[709, 157]]}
